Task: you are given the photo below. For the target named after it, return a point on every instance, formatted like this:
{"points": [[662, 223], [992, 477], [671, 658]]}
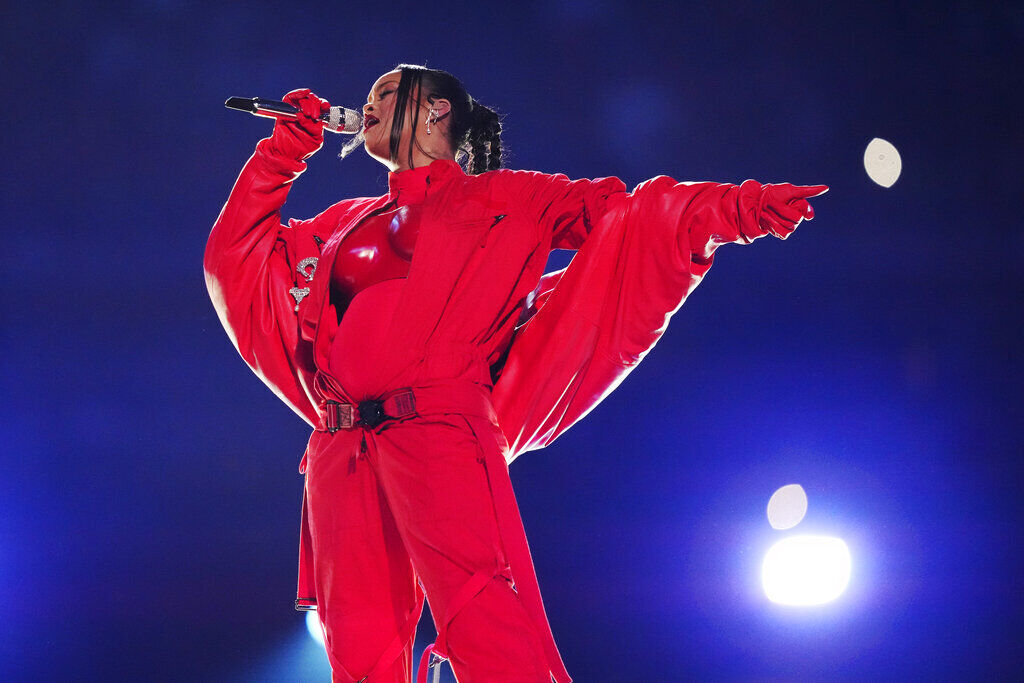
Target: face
{"points": [[377, 123], [380, 104]]}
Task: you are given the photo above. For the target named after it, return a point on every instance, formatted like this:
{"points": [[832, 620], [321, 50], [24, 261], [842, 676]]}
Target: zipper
{"points": [[497, 219]]}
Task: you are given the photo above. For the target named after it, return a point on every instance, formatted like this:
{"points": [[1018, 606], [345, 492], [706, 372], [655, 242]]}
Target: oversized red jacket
{"points": [[556, 344]]}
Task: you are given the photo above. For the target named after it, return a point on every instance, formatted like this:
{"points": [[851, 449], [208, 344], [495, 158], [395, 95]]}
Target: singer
{"points": [[417, 333]]}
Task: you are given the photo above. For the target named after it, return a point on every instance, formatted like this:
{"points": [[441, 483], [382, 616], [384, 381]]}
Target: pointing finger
{"points": [[811, 190]]}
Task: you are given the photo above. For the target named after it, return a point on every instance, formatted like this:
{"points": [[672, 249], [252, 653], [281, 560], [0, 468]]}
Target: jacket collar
{"points": [[414, 183]]}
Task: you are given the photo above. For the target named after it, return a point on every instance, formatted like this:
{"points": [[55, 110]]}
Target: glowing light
{"points": [[806, 570], [787, 506], [313, 626], [882, 162]]}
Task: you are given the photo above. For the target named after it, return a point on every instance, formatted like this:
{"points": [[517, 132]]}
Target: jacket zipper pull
{"points": [[497, 219]]}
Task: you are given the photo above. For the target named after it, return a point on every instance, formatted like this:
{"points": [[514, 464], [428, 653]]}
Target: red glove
{"points": [[783, 206], [299, 138]]}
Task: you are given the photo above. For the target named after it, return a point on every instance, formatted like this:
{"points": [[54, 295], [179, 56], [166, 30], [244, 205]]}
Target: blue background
{"points": [[149, 493]]}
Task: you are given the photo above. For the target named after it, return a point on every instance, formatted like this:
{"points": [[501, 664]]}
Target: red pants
{"points": [[416, 504]]}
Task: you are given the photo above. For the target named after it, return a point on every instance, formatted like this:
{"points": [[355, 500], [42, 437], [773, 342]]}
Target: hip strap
{"points": [[455, 396]]}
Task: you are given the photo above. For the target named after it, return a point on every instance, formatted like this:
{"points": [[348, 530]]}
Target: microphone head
{"points": [[342, 120]]}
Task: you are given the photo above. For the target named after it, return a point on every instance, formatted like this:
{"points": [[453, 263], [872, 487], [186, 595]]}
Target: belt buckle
{"points": [[371, 413], [338, 416]]}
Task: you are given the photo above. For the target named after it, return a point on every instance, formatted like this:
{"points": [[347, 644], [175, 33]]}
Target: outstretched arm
{"points": [[600, 317], [249, 273], [565, 210], [713, 214]]}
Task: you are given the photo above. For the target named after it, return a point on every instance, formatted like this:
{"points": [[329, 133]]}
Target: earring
{"points": [[433, 113]]}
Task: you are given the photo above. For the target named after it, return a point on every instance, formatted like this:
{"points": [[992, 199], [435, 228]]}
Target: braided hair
{"points": [[483, 139], [474, 130]]}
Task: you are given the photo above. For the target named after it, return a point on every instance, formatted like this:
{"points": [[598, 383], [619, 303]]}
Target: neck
{"points": [[420, 158], [428, 148]]}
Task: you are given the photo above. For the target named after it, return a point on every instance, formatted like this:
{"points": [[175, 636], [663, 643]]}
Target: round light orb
{"points": [[882, 162], [313, 626], [806, 570], [787, 506]]}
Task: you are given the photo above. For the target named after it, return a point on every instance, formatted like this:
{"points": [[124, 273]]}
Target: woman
{"points": [[417, 333]]}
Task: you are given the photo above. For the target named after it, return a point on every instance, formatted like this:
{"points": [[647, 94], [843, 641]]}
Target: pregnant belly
{"points": [[360, 346]]}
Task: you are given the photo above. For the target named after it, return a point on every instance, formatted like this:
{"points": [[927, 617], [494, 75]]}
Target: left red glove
{"points": [[783, 206], [301, 137]]}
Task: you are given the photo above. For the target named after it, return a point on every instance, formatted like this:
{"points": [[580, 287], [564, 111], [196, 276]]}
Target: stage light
{"points": [[313, 626], [882, 162], [787, 506], [806, 570]]}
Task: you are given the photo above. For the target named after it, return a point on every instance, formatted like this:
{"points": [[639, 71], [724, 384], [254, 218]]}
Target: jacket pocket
{"points": [[469, 225], [483, 226]]}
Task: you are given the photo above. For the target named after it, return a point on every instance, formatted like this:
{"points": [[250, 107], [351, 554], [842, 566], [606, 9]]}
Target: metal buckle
{"points": [[338, 416]]}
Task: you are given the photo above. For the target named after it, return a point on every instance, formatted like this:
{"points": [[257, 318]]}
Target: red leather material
{"points": [[474, 305], [381, 249], [302, 136], [601, 315]]}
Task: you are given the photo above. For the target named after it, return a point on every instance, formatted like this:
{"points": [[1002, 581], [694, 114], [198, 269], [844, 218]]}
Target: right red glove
{"points": [[784, 205], [300, 137]]}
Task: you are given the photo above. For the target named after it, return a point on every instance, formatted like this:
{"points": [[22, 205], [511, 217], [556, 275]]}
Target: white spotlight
{"points": [[313, 626], [787, 506], [882, 162], [806, 570]]}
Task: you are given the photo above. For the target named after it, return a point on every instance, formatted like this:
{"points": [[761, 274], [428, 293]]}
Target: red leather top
{"points": [[381, 247]]}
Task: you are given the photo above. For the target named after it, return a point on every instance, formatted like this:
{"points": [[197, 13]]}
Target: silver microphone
{"points": [[337, 120]]}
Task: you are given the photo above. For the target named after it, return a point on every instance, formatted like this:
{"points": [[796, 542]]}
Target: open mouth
{"points": [[369, 121]]}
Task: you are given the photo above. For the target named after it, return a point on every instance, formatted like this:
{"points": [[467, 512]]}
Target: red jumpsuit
{"points": [[500, 358]]}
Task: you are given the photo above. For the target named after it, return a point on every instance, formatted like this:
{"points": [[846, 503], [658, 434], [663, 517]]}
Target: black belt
{"points": [[369, 413]]}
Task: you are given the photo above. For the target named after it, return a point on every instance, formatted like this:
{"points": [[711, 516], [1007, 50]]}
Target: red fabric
{"points": [[426, 498], [381, 249], [457, 321]]}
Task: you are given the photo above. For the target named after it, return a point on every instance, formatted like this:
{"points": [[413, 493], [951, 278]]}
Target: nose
{"points": [[367, 108]]}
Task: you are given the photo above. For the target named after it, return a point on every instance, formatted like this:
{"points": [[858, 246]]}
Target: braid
{"points": [[484, 138]]}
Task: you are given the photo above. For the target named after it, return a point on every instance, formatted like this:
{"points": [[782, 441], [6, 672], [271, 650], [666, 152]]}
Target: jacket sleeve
{"points": [[597, 319], [563, 210], [250, 275]]}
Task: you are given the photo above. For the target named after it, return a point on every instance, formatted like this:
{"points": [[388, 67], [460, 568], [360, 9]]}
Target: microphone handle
{"points": [[273, 107], [337, 120]]}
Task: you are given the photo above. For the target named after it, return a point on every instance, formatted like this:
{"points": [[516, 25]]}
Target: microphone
{"points": [[337, 120]]}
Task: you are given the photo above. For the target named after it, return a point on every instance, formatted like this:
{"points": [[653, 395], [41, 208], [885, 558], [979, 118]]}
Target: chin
{"points": [[382, 156]]}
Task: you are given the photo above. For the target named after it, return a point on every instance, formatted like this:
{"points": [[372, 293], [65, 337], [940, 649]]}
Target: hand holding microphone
{"points": [[300, 121], [301, 136]]}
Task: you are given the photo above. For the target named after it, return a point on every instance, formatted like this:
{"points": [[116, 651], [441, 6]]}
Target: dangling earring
{"points": [[433, 113]]}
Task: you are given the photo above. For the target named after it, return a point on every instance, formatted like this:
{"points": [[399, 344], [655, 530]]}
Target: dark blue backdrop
{"points": [[149, 496]]}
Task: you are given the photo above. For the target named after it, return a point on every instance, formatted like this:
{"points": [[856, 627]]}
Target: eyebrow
{"points": [[381, 86]]}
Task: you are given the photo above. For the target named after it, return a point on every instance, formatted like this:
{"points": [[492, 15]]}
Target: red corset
{"points": [[379, 249]]}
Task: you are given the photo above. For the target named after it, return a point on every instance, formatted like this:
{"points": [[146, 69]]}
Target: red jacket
{"points": [[555, 344]]}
